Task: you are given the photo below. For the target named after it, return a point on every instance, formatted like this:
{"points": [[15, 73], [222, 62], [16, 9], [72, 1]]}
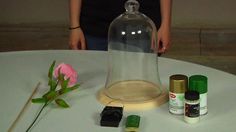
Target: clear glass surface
{"points": [[133, 66]]}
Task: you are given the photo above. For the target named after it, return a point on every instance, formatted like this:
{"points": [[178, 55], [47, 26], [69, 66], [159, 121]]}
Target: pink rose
{"points": [[68, 71]]}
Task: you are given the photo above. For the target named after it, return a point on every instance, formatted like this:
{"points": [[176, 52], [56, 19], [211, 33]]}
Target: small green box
{"points": [[132, 123]]}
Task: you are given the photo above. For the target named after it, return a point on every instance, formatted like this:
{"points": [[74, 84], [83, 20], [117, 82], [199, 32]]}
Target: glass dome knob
{"points": [[131, 6]]}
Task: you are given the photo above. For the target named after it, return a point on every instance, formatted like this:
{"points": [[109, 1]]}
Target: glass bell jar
{"points": [[133, 79]]}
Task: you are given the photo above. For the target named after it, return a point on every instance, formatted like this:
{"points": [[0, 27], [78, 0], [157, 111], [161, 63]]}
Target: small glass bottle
{"points": [[191, 107], [178, 86]]}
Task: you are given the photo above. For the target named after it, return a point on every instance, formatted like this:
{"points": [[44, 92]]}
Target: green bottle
{"points": [[199, 83]]}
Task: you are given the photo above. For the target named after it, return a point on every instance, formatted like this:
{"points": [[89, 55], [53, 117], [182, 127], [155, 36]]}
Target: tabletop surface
{"points": [[21, 71]]}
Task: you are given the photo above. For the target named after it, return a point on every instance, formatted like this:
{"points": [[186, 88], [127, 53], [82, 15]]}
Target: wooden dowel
{"points": [[24, 108]]}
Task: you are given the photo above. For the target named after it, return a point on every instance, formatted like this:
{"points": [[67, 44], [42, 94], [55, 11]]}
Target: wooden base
{"points": [[134, 106]]}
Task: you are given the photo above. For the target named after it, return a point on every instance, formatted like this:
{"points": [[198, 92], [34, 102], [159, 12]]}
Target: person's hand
{"points": [[163, 39], [77, 39]]}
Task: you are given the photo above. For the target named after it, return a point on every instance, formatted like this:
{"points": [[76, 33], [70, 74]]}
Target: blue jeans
{"points": [[96, 43]]}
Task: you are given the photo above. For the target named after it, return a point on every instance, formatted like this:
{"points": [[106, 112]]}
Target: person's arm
{"points": [[77, 39], [164, 30]]}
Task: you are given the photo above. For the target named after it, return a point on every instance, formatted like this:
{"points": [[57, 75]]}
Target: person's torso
{"points": [[96, 15]]}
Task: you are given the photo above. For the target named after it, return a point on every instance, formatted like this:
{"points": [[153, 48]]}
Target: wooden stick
{"points": [[24, 108]]}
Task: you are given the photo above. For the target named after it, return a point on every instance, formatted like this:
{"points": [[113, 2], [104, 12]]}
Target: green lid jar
{"points": [[199, 83]]}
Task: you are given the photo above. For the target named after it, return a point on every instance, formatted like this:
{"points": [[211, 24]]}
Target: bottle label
{"points": [[176, 103], [192, 110], [203, 104]]}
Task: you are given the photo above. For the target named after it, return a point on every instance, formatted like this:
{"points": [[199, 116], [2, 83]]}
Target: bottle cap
{"points": [[191, 95], [178, 83], [198, 83]]}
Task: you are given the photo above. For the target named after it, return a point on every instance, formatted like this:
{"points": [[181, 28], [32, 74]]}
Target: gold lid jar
{"points": [[178, 86], [178, 83]]}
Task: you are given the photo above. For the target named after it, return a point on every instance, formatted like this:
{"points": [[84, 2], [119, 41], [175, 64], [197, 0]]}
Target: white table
{"points": [[21, 71]]}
